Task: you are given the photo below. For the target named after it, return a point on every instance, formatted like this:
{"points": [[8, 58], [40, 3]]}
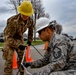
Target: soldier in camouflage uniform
{"points": [[60, 55], [13, 35]]}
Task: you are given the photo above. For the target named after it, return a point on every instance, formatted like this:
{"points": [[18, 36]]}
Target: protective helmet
{"points": [[26, 8], [42, 23]]}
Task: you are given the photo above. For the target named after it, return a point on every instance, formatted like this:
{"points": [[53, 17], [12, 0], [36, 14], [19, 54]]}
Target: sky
{"points": [[63, 11]]}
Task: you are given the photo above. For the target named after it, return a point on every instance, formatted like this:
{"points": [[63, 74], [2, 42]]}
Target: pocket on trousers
{"points": [[5, 54]]}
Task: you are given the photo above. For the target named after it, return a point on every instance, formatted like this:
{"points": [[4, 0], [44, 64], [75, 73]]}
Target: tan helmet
{"points": [[26, 8]]}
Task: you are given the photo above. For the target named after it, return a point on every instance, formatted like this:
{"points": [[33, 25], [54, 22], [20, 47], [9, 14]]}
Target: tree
{"points": [[14, 4], [38, 10]]}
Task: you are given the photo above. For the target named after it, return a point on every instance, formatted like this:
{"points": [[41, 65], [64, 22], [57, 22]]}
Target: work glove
{"points": [[29, 43], [26, 64], [21, 47]]}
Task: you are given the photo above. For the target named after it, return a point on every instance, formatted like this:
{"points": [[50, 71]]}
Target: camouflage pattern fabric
{"points": [[61, 55], [13, 32], [68, 72], [13, 37]]}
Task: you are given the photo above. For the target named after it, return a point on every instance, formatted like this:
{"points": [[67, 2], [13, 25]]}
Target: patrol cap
{"points": [[42, 23]]}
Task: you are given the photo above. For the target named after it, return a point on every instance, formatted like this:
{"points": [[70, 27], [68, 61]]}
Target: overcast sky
{"points": [[63, 11]]}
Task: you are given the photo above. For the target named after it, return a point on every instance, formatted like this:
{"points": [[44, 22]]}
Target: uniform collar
{"points": [[51, 40]]}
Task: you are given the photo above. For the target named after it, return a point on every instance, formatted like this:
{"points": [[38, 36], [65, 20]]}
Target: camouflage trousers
{"points": [[68, 72], [8, 57]]}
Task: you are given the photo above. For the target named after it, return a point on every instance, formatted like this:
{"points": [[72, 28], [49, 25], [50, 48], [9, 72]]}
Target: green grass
{"points": [[37, 42], [1, 44]]}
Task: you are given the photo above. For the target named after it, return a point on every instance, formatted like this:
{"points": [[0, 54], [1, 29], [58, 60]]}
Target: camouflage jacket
{"points": [[60, 54], [13, 32]]}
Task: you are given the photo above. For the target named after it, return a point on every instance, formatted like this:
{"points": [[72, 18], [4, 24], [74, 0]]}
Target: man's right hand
{"points": [[26, 64], [21, 47]]}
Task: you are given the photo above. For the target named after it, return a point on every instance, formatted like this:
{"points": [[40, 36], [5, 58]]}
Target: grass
{"points": [[1, 44], [37, 42]]}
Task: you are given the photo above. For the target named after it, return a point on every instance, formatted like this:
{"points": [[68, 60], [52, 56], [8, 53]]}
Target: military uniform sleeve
{"points": [[41, 62], [9, 32], [30, 31]]}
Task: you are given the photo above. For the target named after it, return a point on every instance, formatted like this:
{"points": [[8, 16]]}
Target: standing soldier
{"points": [[60, 54], [13, 35]]}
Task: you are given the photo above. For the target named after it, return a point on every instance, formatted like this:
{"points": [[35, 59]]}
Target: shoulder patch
{"points": [[57, 53]]}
